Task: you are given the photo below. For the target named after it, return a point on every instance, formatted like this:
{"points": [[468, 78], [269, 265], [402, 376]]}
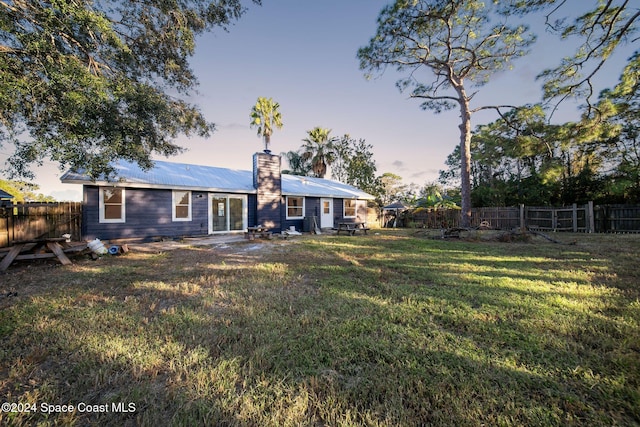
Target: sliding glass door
{"points": [[236, 214], [227, 213]]}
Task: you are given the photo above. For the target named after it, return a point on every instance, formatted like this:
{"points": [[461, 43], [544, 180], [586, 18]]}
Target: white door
{"points": [[326, 213]]}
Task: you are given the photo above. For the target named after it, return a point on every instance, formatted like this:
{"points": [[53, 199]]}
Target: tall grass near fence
{"points": [[383, 330]]}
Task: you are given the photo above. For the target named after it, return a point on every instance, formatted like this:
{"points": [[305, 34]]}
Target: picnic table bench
{"points": [[257, 231], [352, 227], [36, 249]]}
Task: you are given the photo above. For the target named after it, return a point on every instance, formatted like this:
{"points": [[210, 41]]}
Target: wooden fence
{"points": [[617, 219], [504, 218], [37, 220], [576, 218], [571, 218]]}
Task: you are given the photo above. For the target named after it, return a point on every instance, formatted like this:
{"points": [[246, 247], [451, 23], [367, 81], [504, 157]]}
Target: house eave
{"points": [[330, 196], [143, 185]]}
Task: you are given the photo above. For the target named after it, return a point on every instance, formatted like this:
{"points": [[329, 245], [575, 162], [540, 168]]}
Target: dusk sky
{"points": [[302, 53]]}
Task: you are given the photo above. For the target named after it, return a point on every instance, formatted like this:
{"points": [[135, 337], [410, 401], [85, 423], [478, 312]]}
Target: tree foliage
{"points": [[392, 189], [86, 82], [351, 160], [298, 164], [265, 115], [24, 191], [618, 125], [354, 164], [434, 195], [600, 31], [319, 149], [446, 47], [521, 158]]}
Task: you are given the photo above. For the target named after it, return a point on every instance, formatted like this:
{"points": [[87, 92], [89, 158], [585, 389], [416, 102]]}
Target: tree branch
{"points": [[606, 44]]}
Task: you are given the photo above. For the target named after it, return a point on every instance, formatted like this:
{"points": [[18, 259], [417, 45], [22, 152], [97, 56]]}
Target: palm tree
{"points": [[298, 164], [265, 115], [320, 149]]}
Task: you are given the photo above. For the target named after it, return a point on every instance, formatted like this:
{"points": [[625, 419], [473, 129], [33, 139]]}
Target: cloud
{"points": [[232, 126], [420, 174], [399, 164], [423, 173]]}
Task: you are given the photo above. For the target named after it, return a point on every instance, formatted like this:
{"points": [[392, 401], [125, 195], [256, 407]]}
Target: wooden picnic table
{"points": [[352, 227], [258, 230], [34, 249]]}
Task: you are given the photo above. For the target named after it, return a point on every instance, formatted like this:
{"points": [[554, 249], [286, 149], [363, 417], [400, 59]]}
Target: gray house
{"points": [[5, 198], [176, 199]]}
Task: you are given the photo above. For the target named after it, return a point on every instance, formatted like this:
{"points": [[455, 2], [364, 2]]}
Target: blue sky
{"points": [[302, 53]]}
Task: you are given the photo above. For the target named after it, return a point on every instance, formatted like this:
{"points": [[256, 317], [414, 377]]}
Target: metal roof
{"points": [[172, 175], [209, 178], [293, 185], [5, 195], [396, 205]]}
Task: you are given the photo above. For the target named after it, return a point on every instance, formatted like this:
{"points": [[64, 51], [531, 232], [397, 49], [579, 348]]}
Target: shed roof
{"points": [[214, 179], [5, 195], [396, 205]]}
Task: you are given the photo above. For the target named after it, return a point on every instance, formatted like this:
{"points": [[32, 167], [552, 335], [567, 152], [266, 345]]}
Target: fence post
{"points": [[574, 218], [4, 227], [522, 224], [590, 222]]}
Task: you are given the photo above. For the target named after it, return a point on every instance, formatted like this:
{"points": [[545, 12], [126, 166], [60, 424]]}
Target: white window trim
{"points": [[122, 208], [344, 208], [303, 207], [174, 200]]}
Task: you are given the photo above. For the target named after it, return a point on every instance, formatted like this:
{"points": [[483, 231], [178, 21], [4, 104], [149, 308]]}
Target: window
{"points": [[349, 208], [295, 207], [182, 206], [112, 205]]}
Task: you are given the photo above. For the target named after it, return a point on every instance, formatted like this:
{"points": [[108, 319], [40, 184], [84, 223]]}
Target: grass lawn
{"points": [[391, 329]]}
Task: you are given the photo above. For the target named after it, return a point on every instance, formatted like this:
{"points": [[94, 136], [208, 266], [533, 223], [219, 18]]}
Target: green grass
{"points": [[381, 330]]}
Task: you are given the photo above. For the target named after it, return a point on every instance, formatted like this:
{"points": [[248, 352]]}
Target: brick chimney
{"points": [[267, 180]]}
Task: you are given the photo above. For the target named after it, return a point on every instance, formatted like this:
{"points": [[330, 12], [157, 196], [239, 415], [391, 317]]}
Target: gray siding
{"points": [[338, 211], [147, 213], [311, 208]]}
